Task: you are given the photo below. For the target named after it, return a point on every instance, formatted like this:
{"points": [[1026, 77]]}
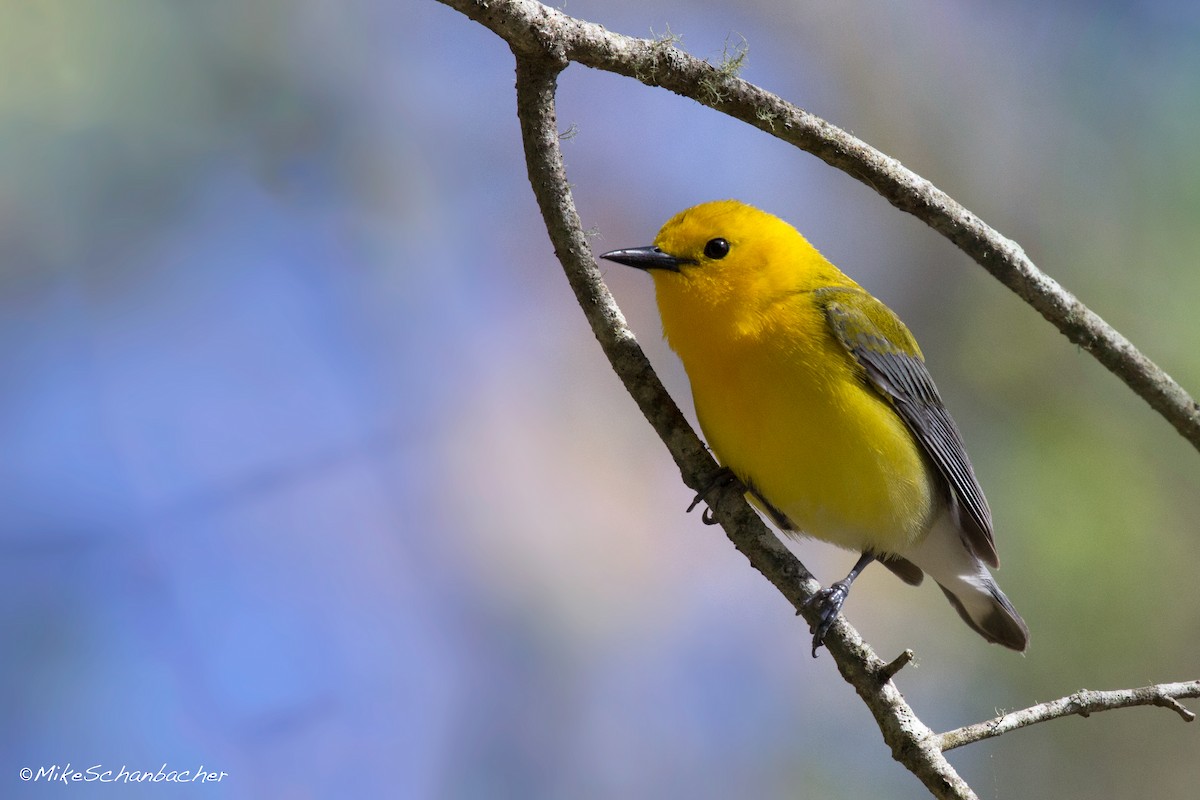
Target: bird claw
{"points": [[722, 476], [828, 604]]}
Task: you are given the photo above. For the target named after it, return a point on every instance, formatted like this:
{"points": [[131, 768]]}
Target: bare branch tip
{"points": [[1179, 708], [889, 670]]}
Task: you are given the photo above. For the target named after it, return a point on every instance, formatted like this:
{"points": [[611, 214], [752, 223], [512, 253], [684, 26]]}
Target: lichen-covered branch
{"points": [[1084, 703], [532, 28]]}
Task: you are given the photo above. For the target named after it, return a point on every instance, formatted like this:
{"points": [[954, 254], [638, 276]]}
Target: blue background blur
{"points": [[313, 473]]}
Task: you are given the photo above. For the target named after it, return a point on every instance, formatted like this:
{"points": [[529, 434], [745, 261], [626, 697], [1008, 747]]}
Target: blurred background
{"points": [[314, 474]]}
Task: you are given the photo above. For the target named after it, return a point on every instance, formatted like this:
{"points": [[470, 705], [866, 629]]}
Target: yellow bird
{"points": [[816, 396]]}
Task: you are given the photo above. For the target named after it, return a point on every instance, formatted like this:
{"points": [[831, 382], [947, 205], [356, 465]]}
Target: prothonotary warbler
{"points": [[816, 396]]}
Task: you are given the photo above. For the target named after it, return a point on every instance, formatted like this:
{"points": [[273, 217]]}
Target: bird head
{"points": [[724, 263]]}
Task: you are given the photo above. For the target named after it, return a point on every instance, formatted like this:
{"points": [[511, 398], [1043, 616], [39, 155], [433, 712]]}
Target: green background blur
{"points": [[313, 472]]}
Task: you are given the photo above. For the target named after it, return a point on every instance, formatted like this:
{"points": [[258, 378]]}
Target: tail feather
{"points": [[969, 586], [999, 623]]}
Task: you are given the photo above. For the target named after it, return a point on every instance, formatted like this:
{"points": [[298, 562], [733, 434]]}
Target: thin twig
{"points": [[532, 28], [1084, 703], [898, 663]]}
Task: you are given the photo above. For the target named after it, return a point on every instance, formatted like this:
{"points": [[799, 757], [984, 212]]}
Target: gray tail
{"points": [[992, 616], [968, 585]]}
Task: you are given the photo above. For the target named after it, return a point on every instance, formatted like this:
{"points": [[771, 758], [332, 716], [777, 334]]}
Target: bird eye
{"points": [[716, 248]]}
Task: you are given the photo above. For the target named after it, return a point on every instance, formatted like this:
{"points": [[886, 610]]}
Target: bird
{"points": [[816, 397]]}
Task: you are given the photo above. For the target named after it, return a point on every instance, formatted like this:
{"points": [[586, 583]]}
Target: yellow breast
{"points": [[782, 404]]}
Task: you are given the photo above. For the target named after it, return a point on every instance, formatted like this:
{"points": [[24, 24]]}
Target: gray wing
{"points": [[889, 355]]}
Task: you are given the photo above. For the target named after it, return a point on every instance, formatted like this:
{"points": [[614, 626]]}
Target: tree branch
{"points": [[1084, 703], [912, 742], [532, 28], [544, 41]]}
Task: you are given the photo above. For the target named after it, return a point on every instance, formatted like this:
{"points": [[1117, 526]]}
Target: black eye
{"points": [[716, 248]]}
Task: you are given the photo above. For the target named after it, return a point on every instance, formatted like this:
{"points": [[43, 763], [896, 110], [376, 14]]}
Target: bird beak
{"points": [[647, 258]]}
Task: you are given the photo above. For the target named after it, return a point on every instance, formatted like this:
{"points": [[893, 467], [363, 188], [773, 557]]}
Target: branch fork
{"points": [[544, 41]]}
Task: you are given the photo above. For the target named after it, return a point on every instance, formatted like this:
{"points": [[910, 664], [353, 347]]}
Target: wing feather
{"points": [[893, 366]]}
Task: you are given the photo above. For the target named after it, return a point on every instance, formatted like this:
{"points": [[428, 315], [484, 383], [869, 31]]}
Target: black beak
{"points": [[647, 258]]}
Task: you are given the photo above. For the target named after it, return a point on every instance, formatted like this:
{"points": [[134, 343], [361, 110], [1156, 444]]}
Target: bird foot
{"points": [[721, 477], [828, 604]]}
